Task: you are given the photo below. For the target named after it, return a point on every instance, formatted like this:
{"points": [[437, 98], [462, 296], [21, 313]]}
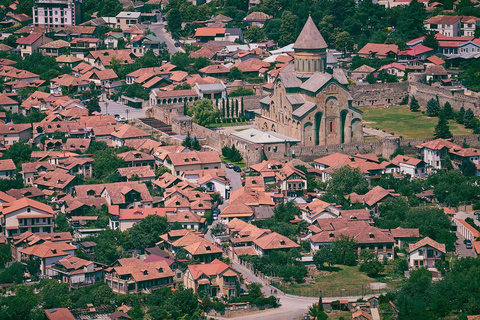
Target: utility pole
{"points": [[106, 106], [127, 113]]}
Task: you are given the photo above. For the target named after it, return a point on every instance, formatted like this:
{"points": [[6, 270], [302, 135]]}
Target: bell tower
{"points": [[310, 50]]}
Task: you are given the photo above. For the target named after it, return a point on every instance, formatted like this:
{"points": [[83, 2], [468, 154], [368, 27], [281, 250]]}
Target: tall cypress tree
{"points": [[242, 111], [236, 108], [460, 115], [228, 108], [185, 108], [223, 107], [442, 130]]}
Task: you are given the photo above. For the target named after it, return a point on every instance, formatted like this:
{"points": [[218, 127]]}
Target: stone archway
{"points": [[307, 133], [356, 130]]}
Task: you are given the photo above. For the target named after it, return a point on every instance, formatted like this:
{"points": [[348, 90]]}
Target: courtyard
{"points": [[400, 121]]}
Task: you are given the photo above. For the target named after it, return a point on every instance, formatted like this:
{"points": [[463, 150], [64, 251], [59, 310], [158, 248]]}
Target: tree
{"points": [[242, 111], [19, 152], [187, 142], [430, 41], [183, 86], [61, 224], [344, 42], [344, 249], [146, 233], [447, 110], [5, 254], [93, 105], [468, 168], [288, 28], [410, 25], [460, 116], [372, 268], [105, 163], [227, 108], [21, 305], [316, 310], [109, 8], [433, 108], [196, 145], [442, 130], [325, 254], [235, 74], [174, 18], [204, 112], [414, 106], [468, 117], [272, 29], [343, 182], [242, 91], [254, 34], [236, 109], [181, 60], [398, 151], [33, 267]]}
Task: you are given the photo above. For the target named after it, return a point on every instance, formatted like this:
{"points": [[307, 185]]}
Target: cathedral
{"points": [[310, 102]]}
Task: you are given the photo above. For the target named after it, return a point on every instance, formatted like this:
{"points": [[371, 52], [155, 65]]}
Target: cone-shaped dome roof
{"points": [[310, 37]]}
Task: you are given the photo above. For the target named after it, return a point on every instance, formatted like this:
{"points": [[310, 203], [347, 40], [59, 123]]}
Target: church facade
{"points": [[310, 102]]}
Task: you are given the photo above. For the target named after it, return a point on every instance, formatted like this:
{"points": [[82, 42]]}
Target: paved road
{"points": [[159, 30], [234, 177], [121, 110], [292, 307], [461, 249]]}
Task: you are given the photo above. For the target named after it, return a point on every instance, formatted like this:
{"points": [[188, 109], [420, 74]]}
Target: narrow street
{"points": [[161, 33]]}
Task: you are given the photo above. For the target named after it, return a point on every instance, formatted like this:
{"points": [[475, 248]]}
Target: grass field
{"points": [[336, 315], [241, 164], [341, 281], [400, 121]]}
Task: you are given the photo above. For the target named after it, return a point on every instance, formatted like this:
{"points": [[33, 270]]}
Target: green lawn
{"points": [[341, 281], [241, 164], [400, 121]]}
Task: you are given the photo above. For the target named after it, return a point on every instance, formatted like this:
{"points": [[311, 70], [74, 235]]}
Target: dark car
{"points": [[468, 245], [466, 241], [237, 169], [177, 44]]}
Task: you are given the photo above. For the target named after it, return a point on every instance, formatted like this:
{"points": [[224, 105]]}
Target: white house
{"points": [[434, 152], [26, 215], [425, 253], [319, 209], [449, 26], [411, 166], [395, 69], [48, 253]]}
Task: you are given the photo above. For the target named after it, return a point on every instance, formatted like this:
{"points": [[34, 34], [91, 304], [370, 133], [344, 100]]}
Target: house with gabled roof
{"points": [[124, 194], [178, 163], [58, 180], [131, 275], [76, 272], [7, 169], [373, 198], [434, 152], [216, 279], [24, 215], [30, 44], [327, 231], [273, 241], [407, 165], [425, 253], [319, 209], [289, 179], [48, 253]]}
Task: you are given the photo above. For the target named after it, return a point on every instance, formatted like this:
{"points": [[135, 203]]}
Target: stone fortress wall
{"points": [[363, 95]]}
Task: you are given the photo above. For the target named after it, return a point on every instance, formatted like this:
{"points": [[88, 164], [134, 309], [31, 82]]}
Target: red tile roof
{"points": [[427, 242], [30, 39]]}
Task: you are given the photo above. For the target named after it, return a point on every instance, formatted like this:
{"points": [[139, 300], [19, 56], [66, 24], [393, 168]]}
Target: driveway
{"points": [[234, 177], [122, 110], [461, 249], [161, 33]]}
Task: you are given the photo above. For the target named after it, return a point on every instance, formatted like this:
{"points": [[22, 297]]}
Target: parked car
{"points": [[466, 240], [177, 44], [468, 245], [237, 169], [229, 166]]}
